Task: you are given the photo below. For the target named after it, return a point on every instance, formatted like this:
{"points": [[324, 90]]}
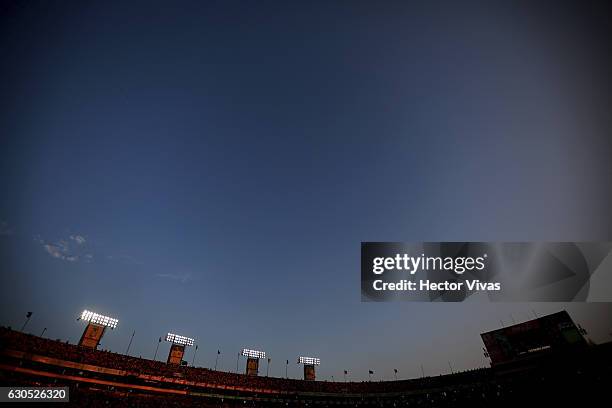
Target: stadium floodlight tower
{"points": [[177, 349], [309, 366], [96, 326], [252, 364]]}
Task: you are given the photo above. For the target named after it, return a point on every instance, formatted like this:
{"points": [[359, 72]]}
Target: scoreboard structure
{"points": [[556, 331], [96, 326], [309, 367], [177, 347], [252, 364]]}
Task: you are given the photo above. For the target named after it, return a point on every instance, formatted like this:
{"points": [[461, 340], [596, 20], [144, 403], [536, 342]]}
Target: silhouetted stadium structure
{"points": [[555, 331], [574, 373]]}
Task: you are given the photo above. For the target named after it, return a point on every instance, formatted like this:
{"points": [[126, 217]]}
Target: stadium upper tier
{"points": [[29, 359], [56, 353]]}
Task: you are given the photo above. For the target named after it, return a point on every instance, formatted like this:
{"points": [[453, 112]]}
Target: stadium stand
{"points": [[102, 378]]}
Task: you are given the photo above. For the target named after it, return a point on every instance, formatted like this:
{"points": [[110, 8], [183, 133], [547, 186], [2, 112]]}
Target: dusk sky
{"points": [[211, 168]]}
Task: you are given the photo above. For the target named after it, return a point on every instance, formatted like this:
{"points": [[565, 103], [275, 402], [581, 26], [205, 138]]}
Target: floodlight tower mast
{"points": [[177, 349], [252, 364], [309, 367], [96, 326]]}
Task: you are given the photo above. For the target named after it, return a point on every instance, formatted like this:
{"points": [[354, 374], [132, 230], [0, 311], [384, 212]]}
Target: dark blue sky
{"points": [[217, 165]]}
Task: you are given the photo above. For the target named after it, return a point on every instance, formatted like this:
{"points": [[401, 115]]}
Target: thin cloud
{"points": [[72, 249], [79, 239], [60, 251]]}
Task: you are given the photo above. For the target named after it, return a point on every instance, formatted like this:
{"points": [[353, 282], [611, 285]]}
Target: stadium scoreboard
{"points": [[552, 332]]}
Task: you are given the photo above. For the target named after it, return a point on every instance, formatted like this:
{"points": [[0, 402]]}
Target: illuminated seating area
{"points": [[97, 375]]}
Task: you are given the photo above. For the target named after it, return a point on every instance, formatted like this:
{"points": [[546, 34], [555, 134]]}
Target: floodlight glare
{"points": [[101, 320], [253, 353], [181, 340], [310, 360]]}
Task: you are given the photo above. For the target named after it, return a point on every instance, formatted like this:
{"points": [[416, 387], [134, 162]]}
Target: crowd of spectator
{"points": [[139, 366], [482, 387]]}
